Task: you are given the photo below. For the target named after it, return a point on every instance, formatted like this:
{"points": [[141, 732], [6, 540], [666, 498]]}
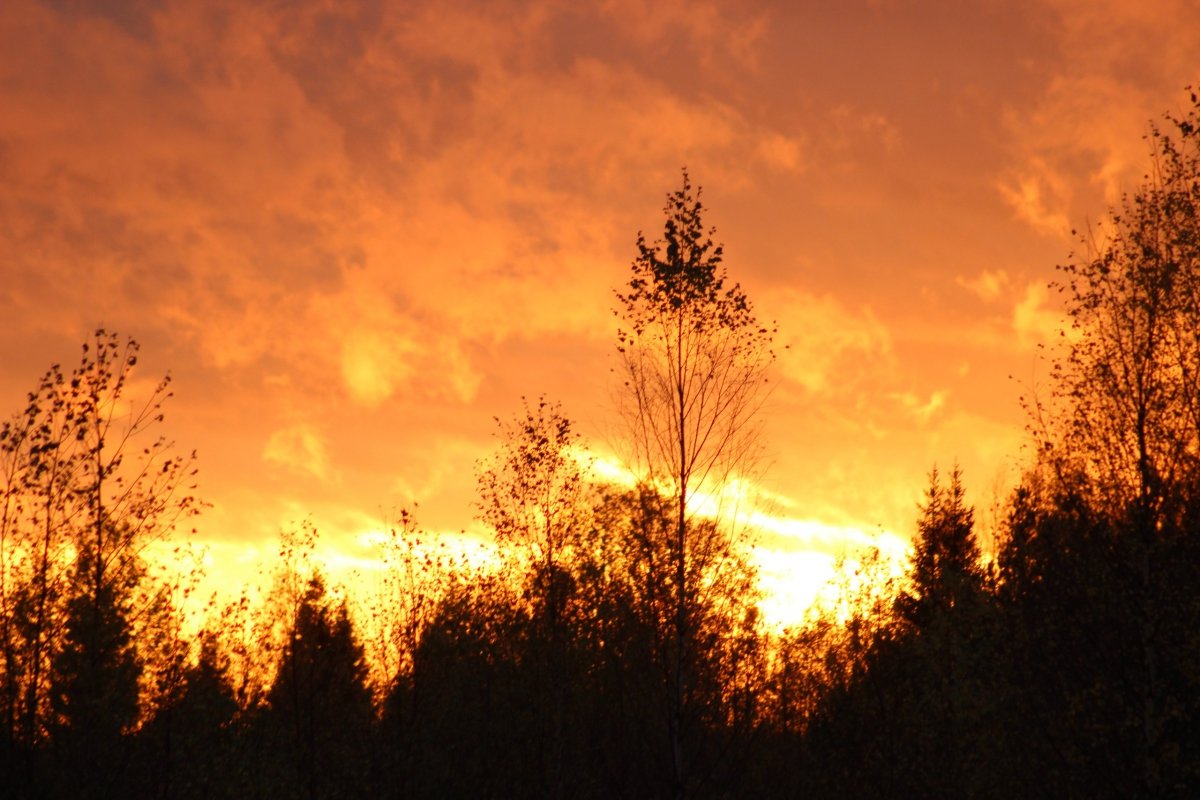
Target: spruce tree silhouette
{"points": [[318, 711]]}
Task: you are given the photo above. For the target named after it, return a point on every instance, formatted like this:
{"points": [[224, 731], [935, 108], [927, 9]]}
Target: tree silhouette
{"points": [[1121, 444], [318, 710], [947, 570], [533, 495], [1128, 387], [693, 362], [638, 646], [94, 688], [476, 721], [84, 489], [189, 747]]}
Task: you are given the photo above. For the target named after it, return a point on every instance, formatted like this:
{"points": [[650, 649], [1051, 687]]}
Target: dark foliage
{"points": [[315, 728]]}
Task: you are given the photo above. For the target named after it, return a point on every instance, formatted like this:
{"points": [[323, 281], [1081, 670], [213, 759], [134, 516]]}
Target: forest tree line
{"points": [[618, 651]]}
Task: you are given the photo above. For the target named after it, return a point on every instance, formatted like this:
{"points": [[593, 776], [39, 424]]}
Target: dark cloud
{"points": [[392, 102], [133, 17]]}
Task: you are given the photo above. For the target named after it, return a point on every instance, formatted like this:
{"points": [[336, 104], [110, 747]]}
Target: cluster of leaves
{"points": [[83, 491], [1126, 410]]}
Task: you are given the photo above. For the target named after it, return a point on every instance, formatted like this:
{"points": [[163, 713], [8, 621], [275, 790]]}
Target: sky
{"points": [[355, 233]]}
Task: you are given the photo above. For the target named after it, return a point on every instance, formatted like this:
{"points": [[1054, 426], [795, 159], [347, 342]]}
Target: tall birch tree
{"points": [[693, 362]]}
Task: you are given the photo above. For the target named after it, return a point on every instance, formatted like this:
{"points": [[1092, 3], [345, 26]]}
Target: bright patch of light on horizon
{"points": [[606, 468], [456, 547], [791, 583], [808, 562], [798, 559]]}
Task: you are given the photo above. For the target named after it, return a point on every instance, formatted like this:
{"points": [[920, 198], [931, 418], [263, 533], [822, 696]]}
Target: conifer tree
{"points": [[318, 709], [947, 571]]}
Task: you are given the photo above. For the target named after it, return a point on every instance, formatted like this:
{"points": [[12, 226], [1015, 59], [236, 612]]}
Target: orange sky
{"points": [[355, 232]]}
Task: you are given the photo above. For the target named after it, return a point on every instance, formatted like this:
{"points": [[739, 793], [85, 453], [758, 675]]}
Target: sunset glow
{"points": [[356, 233]]}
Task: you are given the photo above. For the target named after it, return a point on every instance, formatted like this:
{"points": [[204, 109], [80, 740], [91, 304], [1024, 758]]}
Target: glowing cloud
{"points": [[301, 448], [1040, 196], [987, 285], [817, 333], [1033, 319]]}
